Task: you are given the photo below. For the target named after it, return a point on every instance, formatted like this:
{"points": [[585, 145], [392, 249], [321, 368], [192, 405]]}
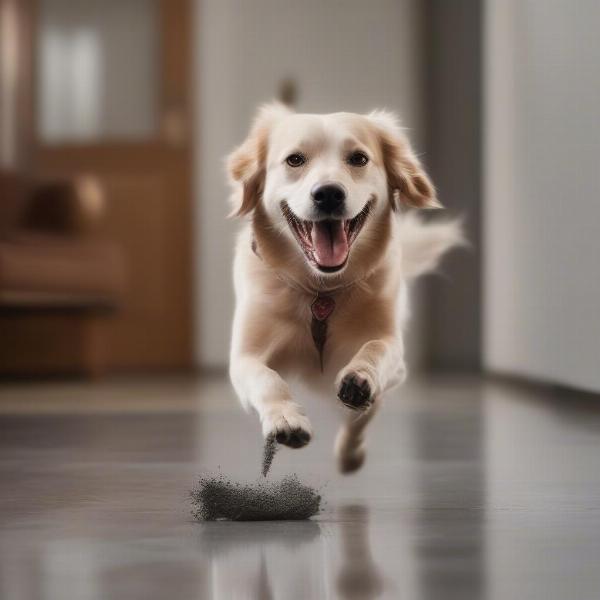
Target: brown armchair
{"points": [[59, 278]]}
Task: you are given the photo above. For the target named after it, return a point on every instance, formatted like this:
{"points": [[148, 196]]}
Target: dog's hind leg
{"points": [[350, 449]]}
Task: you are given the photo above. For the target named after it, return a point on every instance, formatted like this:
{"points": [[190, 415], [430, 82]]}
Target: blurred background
{"points": [[116, 300], [115, 116]]}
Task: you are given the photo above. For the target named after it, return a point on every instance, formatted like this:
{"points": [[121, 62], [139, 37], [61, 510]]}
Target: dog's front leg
{"points": [[376, 367], [262, 388]]}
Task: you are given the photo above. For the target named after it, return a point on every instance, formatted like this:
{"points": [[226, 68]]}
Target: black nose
{"points": [[328, 197]]}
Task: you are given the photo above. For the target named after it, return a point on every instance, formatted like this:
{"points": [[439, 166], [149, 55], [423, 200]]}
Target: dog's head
{"points": [[321, 187]]}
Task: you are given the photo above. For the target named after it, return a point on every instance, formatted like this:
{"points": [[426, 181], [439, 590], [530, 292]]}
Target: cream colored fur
{"points": [[275, 284]]}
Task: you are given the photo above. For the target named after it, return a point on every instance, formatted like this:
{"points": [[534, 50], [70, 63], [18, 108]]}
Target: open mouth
{"points": [[326, 244]]}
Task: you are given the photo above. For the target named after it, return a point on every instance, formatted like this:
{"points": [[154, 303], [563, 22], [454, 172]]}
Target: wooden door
{"points": [[112, 90]]}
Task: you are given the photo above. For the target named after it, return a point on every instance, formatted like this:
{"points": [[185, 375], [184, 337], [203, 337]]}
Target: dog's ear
{"points": [[246, 165], [407, 180]]}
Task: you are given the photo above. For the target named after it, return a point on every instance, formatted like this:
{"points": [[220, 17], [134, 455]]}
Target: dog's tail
{"points": [[423, 244]]}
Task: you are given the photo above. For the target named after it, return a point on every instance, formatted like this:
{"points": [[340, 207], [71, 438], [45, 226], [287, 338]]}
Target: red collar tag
{"points": [[322, 307]]}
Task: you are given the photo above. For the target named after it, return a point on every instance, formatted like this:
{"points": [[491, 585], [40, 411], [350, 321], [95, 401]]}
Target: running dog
{"points": [[323, 262]]}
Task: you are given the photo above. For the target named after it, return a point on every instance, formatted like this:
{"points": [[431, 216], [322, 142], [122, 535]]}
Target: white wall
{"points": [[343, 54], [542, 188]]}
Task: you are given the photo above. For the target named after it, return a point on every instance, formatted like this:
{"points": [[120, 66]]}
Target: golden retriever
{"points": [[322, 265]]}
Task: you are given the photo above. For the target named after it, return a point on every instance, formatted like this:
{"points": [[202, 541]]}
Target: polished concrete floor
{"points": [[471, 490]]}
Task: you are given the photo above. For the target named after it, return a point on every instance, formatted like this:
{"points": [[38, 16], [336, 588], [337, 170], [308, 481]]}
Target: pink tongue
{"points": [[330, 243]]}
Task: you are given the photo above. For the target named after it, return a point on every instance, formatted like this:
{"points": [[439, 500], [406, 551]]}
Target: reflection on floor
{"points": [[471, 489]]}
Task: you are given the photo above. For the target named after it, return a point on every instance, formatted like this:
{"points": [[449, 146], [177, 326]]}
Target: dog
{"points": [[322, 265]]}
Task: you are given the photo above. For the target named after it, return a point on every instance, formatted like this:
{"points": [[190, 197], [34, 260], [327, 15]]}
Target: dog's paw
{"points": [[355, 392], [288, 425]]}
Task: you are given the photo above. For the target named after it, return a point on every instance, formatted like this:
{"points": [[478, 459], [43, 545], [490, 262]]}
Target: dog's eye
{"points": [[295, 160], [357, 159]]}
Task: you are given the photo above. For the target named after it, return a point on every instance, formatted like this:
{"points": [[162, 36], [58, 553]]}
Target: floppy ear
{"points": [[407, 180], [246, 165]]}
